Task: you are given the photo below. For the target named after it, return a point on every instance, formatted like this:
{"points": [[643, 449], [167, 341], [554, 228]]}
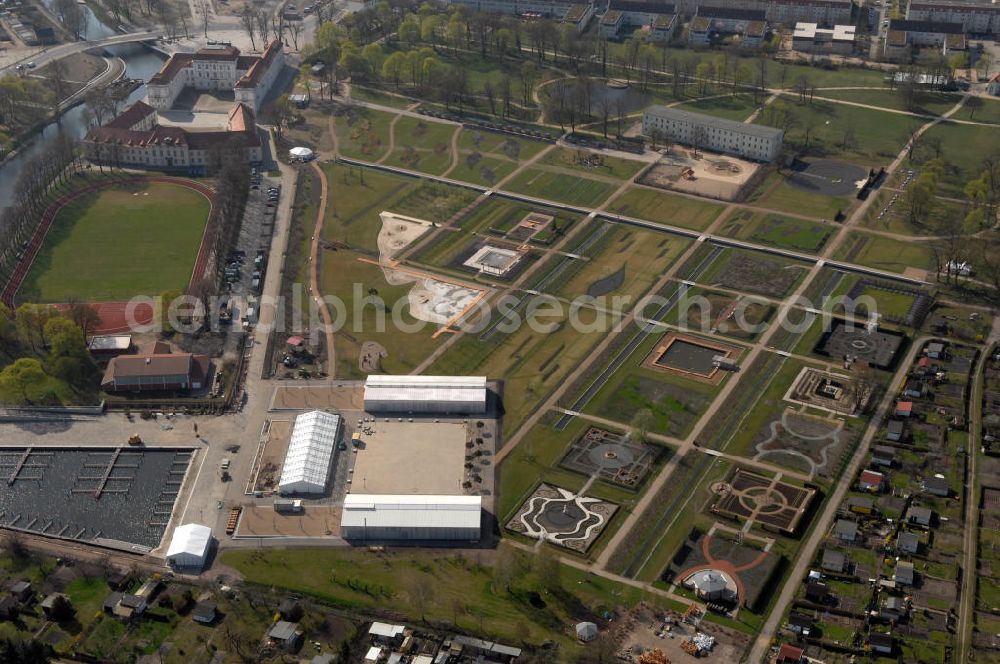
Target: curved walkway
{"points": [[314, 290]]}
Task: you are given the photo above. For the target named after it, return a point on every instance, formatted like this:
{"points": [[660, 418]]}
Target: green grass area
{"points": [[784, 197], [963, 147], [666, 208], [422, 145], [350, 276], [897, 219], [376, 96], [447, 588], [591, 164], [779, 231], [837, 130], [487, 157], [562, 187], [885, 253], [131, 239], [624, 262], [363, 133], [753, 272], [933, 103], [738, 107], [708, 311], [988, 112]]}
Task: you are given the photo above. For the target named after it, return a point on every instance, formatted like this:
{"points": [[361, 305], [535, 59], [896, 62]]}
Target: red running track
{"points": [[113, 314]]}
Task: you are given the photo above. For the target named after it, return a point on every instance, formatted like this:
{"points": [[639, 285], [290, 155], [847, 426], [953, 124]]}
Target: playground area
{"points": [[701, 173]]}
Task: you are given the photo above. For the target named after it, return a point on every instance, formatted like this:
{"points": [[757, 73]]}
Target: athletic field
{"points": [[136, 238]]}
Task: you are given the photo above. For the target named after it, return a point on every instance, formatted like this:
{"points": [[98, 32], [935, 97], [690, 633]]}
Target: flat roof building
{"points": [[975, 16], [810, 38], [310, 453], [425, 394], [189, 547], [412, 517], [698, 130]]}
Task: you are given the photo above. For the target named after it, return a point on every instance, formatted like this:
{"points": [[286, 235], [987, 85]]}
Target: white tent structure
{"points": [[586, 631], [411, 517], [302, 154], [310, 452], [425, 394], [189, 547]]}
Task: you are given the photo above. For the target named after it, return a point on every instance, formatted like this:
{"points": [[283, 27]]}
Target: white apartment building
{"points": [[975, 16], [716, 134]]}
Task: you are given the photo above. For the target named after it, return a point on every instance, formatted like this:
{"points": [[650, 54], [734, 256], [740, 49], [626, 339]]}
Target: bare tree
{"points": [[248, 19], [204, 9]]}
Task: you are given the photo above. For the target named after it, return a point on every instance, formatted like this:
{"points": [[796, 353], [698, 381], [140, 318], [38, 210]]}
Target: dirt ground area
{"points": [[79, 69], [272, 456], [645, 635], [260, 520], [341, 396], [411, 458], [714, 175]]}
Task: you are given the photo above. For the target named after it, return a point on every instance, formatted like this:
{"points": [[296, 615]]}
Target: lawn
{"points": [[592, 164], [562, 187], [779, 231], [131, 239], [363, 133], [783, 197], [885, 253], [963, 147], [730, 107], [988, 112], [665, 208], [896, 217], [376, 96], [448, 588], [486, 157], [934, 103], [422, 145]]}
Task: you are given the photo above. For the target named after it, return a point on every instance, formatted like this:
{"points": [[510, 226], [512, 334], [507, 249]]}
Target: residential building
{"points": [[217, 68], [907, 542], [156, 372], [711, 133], [785, 12], [579, 16], [883, 455], [893, 608], [750, 25], [896, 430], [871, 480], [612, 23], [845, 531], [810, 38], [789, 654], [920, 516], [204, 612], [904, 573], [147, 144], [285, 635], [861, 505], [881, 643], [980, 17], [834, 561], [817, 591], [935, 486], [385, 634], [904, 409], [799, 623], [993, 87], [556, 9], [914, 388], [936, 351], [49, 603]]}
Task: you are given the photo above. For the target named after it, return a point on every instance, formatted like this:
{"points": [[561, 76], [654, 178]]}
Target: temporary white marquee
{"points": [[310, 452], [425, 394], [189, 546], [305, 154], [411, 517]]}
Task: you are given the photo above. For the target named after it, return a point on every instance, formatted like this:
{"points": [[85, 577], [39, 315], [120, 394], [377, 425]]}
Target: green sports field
{"points": [[116, 243]]}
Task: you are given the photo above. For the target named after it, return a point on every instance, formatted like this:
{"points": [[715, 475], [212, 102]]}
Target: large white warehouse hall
{"points": [[388, 518], [310, 453], [425, 394]]}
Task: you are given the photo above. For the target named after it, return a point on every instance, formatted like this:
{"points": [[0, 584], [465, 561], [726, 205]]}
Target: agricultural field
{"points": [[131, 239]]}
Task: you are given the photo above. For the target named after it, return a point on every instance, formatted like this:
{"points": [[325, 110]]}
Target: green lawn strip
{"points": [[642, 254], [483, 170], [708, 311], [878, 136], [666, 208], [931, 103], [363, 133], [885, 253], [778, 231], [730, 107], [897, 220], [589, 163], [376, 96], [562, 187], [359, 581], [156, 230], [422, 145], [988, 112], [787, 198]]}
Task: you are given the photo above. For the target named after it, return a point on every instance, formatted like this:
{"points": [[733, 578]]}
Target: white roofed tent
{"points": [[310, 453], [304, 154], [189, 546], [411, 517], [425, 394]]}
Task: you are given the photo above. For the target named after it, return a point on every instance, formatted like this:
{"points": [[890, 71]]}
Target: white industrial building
{"points": [[708, 132], [425, 394], [189, 547], [414, 517], [310, 453], [810, 38]]}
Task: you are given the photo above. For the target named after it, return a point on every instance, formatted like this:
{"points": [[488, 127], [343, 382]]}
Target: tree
{"points": [[508, 567], [421, 593], [409, 32], [973, 103], [204, 9], [62, 609], [547, 569], [392, 68], [248, 19], [21, 377], [304, 73], [642, 423]]}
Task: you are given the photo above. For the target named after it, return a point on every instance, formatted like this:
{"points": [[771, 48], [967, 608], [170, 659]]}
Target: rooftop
{"points": [[710, 121], [732, 13], [643, 6], [393, 511], [937, 27]]}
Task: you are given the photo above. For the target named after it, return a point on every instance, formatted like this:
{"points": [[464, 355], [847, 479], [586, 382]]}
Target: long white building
{"points": [[975, 16], [310, 453], [410, 518], [425, 394], [749, 141]]}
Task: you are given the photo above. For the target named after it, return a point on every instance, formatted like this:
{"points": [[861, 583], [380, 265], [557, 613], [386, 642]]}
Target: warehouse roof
{"points": [[425, 388], [310, 449], [191, 538], [712, 122], [392, 511]]}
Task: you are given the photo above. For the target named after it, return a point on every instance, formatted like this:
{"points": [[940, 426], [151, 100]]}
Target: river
{"points": [[140, 62]]}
